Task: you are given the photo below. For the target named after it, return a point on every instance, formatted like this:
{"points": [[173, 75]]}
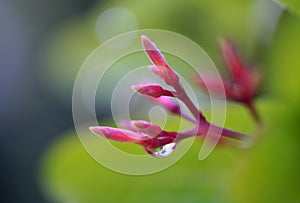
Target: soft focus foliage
{"points": [[268, 172], [72, 175], [72, 41], [292, 5]]}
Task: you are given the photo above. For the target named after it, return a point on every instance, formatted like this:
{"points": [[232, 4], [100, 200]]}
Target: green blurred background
{"points": [[43, 45]]}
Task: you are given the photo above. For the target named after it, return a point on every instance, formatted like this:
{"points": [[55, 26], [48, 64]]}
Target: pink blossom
{"points": [[243, 83], [119, 135], [160, 68], [171, 105], [149, 135], [153, 90]]}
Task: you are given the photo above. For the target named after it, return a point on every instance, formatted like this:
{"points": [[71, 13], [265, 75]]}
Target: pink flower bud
{"points": [[161, 68], [213, 85], [119, 135], [233, 62], [152, 90], [160, 143], [127, 125], [169, 104], [163, 139], [244, 81], [167, 74], [148, 128], [153, 52]]}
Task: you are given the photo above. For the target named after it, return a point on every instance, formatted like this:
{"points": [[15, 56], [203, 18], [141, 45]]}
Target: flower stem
{"points": [[227, 132], [182, 95], [253, 111], [188, 117], [206, 128]]}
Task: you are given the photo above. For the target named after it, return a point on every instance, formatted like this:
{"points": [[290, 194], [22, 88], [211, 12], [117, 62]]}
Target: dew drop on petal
{"points": [[163, 151]]}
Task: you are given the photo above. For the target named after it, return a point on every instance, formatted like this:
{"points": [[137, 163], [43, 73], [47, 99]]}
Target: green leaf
{"points": [[270, 172], [70, 174], [292, 5]]}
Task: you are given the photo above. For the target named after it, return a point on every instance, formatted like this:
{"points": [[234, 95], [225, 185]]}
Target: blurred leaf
{"points": [[292, 5], [283, 61], [70, 174], [74, 39], [270, 171], [266, 173]]}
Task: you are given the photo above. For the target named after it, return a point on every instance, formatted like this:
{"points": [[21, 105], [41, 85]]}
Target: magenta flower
{"points": [[119, 135], [152, 90], [151, 137], [243, 83], [148, 135], [160, 68]]}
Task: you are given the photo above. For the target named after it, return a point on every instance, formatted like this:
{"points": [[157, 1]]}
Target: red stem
{"points": [[205, 127], [182, 95], [253, 111]]}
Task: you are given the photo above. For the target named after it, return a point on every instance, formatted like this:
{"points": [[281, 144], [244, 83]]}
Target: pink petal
{"points": [[162, 69], [165, 138], [147, 128], [153, 52], [169, 104], [127, 125], [119, 135], [232, 60], [156, 71], [166, 73], [152, 90], [213, 85]]}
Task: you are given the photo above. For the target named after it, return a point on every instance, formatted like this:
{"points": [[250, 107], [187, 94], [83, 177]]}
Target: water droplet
{"points": [[163, 151]]}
